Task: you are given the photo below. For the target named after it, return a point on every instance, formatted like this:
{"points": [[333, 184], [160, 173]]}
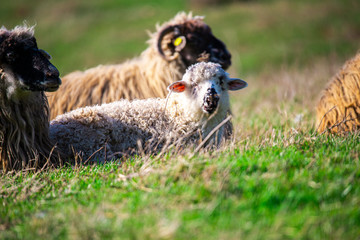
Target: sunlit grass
{"points": [[292, 185]]}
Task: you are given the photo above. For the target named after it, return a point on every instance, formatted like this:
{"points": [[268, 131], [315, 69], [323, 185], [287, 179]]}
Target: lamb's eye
{"points": [[194, 90]]}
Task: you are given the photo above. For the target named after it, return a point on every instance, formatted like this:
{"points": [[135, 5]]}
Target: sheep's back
{"points": [[339, 107], [102, 84]]}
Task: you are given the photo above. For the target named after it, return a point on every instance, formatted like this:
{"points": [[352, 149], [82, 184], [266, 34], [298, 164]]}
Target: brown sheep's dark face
{"points": [[194, 42], [30, 65], [202, 45]]}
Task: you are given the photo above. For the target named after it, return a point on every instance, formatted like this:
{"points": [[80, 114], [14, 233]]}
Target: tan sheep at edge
{"points": [[339, 107], [197, 104], [171, 50]]}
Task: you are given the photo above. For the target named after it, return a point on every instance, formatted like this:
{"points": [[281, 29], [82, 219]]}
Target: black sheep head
{"points": [[29, 65]]}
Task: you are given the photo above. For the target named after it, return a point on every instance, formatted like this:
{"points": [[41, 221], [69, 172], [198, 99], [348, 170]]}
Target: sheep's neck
{"points": [[24, 130]]}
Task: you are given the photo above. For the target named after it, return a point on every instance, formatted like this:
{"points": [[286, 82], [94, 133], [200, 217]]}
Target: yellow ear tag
{"points": [[177, 41]]}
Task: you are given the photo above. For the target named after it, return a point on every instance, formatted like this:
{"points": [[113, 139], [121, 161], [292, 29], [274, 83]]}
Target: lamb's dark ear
{"points": [[178, 87], [236, 84]]}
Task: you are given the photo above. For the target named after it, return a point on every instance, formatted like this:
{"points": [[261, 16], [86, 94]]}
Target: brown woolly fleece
{"points": [[338, 110]]}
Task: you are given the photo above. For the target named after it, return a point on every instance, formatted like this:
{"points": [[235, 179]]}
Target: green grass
{"points": [[309, 189], [278, 179]]}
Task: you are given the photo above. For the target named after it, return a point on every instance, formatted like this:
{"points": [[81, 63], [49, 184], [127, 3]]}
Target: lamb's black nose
{"points": [[211, 100]]}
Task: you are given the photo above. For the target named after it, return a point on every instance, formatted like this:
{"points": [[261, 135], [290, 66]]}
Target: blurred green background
{"points": [[262, 34]]}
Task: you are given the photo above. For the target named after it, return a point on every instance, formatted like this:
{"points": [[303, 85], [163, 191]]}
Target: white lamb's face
{"points": [[211, 93], [208, 95]]}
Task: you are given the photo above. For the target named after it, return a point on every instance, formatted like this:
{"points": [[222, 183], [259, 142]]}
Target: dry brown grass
{"points": [[283, 98]]}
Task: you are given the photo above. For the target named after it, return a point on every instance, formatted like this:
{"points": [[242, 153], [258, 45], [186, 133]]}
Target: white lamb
{"points": [[195, 106]]}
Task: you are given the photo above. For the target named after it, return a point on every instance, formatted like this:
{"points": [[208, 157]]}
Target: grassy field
{"points": [[278, 178]]}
